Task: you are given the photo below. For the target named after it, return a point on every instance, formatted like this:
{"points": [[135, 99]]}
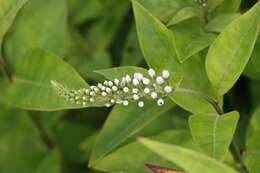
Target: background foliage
{"points": [[213, 50]]}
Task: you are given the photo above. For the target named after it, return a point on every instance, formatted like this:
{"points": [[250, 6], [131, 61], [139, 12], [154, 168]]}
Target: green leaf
{"points": [[153, 34], [8, 12], [122, 123], [230, 52], [21, 145], [41, 23], [128, 158], [212, 4], [251, 156], [219, 23], [51, 163], [230, 6], [31, 88], [214, 133], [165, 9], [189, 42], [184, 14], [191, 161]]}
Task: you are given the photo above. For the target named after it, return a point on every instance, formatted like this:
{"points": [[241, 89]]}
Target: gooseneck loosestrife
{"points": [[121, 91]]}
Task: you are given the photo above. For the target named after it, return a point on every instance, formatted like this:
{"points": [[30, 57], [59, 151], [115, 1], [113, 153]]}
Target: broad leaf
{"points": [[230, 52], [214, 133], [230, 6], [122, 123], [189, 160], [51, 163], [128, 158], [41, 23], [31, 88], [153, 34], [212, 4], [219, 23]]}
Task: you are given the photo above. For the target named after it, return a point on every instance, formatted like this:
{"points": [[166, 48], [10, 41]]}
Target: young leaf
{"points": [[31, 88], [230, 52], [214, 133], [122, 159], [189, 160], [122, 123]]}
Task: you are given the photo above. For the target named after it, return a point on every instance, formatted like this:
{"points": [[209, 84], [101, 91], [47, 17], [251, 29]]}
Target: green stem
{"points": [[203, 96]]}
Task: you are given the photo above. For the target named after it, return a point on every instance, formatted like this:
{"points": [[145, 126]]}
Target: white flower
{"points": [[141, 104], [168, 89], [116, 81], [96, 89], [123, 82], [114, 88], [91, 99], [84, 98], [112, 101], [146, 90], [92, 93], [110, 83], [160, 102], [92, 87], [103, 88], [151, 72], [135, 90], [103, 93], [105, 82], [108, 90], [136, 97], [107, 105], [125, 102], [128, 78], [138, 76], [84, 103], [125, 89], [86, 91], [154, 95], [159, 80], [146, 81], [100, 85], [135, 81], [165, 74]]}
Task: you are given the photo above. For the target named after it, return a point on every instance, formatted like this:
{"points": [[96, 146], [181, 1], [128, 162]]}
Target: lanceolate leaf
{"points": [[31, 88], [229, 54], [122, 123], [214, 133], [191, 161]]}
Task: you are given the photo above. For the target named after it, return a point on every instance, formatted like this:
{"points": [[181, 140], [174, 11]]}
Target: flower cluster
{"points": [[203, 3], [121, 91]]}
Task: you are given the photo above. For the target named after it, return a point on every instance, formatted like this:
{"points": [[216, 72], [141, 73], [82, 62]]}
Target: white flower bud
{"points": [[151, 72], [146, 90], [99, 85], [125, 89], [165, 74], [159, 80], [136, 97], [96, 89], [86, 91], [107, 105], [125, 102], [168, 89], [91, 99], [146, 81], [84, 98], [103, 88], [108, 90], [160, 102], [116, 81], [92, 87], [114, 88], [128, 78], [135, 81], [110, 83], [103, 93], [141, 104], [135, 90], [154, 95], [92, 93], [105, 82], [138, 76], [112, 101], [84, 103]]}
